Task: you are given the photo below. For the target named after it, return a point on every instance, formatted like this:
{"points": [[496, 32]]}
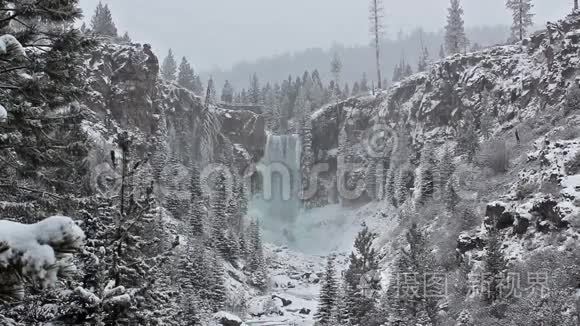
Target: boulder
{"points": [[548, 216], [285, 302], [497, 217], [304, 311], [467, 242], [521, 225], [227, 319]]}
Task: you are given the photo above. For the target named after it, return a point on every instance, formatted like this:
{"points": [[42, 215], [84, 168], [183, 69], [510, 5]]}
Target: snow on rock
{"points": [[3, 114], [227, 319], [36, 249], [11, 47]]}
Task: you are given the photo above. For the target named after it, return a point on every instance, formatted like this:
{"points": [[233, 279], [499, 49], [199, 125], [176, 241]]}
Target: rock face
{"points": [[245, 127], [125, 89]]}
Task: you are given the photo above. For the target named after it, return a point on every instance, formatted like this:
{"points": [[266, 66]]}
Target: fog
{"points": [[219, 33]]}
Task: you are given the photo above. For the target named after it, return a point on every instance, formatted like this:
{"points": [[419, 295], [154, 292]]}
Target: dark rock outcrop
{"points": [[285, 302], [547, 216], [468, 242], [498, 218]]}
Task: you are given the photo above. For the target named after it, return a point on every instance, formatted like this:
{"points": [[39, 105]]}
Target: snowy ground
{"points": [[297, 256]]}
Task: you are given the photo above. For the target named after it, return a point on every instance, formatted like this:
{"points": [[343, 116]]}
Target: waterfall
{"points": [[277, 205], [280, 171]]}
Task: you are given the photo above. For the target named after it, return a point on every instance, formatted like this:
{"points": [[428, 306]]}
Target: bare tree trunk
{"points": [[575, 4], [375, 16]]}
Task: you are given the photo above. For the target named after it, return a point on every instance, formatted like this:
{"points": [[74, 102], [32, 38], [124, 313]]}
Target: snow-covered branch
{"points": [[37, 251]]}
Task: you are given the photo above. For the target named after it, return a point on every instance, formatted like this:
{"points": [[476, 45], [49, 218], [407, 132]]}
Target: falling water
{"points": [[278, 204]]}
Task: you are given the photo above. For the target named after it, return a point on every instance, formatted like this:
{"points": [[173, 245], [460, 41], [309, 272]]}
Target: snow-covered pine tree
{"points": [[254, 90], [328, 298], [228, 92], [423, 59], [522, 17], [442, 52], [256, 260], [336, 70], [210, 93], [169, 67], [495, 267], [425, 183], [126, 38], [140, 246], [197, 210], [449, 195], [307, 158], [417, 259], [355, 89], [198, 86], [390, 186], [186, 76], [176, 188], [363, 261], [43, 127], [221, 237], [404, 183], [102, 21], [467, 137], [216, 289], [455, 38], [364, 84], [341, 312], [445, 169]]}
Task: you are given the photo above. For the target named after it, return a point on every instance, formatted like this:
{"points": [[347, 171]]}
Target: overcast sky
{"points": [[222, 32]]}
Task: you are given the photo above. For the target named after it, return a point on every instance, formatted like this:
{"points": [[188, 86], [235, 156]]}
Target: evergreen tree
{"points": [[390, 186], [197, 211], [363, 263], [220, 236], [455, 38], [522, 17], [404, 181], [426, 177], [355, 89], [345, 92], [228, 93], [328, 294], [186, 76], [495, 267], [169, 67], [210, 93], [217, 291], [257, 263], [450, 196], [102, 21], [416, 259], [336, 69], [126, 38], [307, 157], [446, 168], [364, 84], [467, 138], [423, 60], [42, 138], [197, 86], [254, 90]]}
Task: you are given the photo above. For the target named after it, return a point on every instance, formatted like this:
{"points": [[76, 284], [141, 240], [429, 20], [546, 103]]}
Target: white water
{"points": [[278, 207]]}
